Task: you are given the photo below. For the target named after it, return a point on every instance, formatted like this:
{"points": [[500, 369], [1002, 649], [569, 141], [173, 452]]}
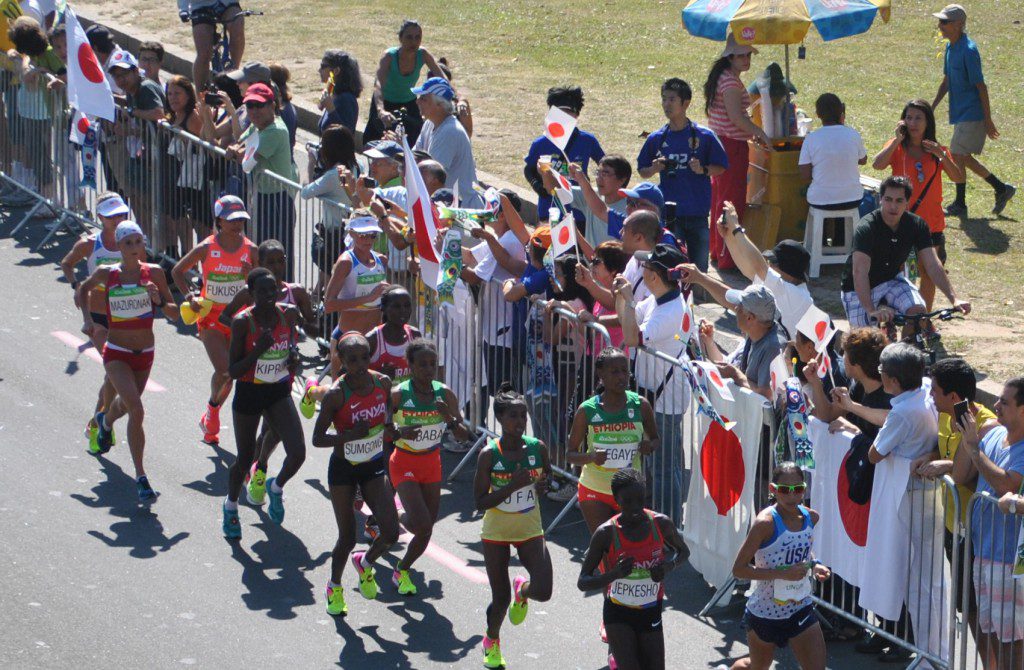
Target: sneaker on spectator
{"points": [[563, 493], [453, 446]]}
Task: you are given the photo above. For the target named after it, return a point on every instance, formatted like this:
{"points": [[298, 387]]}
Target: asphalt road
{"points": [[94, 580]]}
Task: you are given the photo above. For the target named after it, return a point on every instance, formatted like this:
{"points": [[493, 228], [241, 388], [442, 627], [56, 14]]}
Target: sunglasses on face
{"points": [[791, 488], [256, 105], [597, 261], [367, 235], [944, 22]]}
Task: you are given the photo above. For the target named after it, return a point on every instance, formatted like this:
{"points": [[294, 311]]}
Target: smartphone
{"points": [[369, 182], [960, 410]]}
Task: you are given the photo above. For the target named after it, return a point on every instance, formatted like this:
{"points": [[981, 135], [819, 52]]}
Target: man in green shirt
{"points": [[275, 200]]}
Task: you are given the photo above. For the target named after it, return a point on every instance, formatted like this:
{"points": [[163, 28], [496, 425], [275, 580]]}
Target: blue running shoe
{"points": [[104, 436], [276, 508], [146, 492], [232, 526]]}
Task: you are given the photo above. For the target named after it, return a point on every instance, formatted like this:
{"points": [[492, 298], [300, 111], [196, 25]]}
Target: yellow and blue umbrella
{"points": [[781, 21]]}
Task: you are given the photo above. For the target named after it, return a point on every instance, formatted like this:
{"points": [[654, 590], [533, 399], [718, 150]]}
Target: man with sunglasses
{"points": [[275, 210], [969, 111]]}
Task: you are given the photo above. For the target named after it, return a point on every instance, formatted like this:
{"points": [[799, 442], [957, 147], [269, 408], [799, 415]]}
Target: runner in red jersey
{"points": [[638, 548], [389, 340], [264, 360], [225, 259], [135, 289]]}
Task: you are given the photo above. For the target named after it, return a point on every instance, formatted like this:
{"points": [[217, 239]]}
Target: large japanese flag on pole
{"points": [[424, 227], [558, 127], [88, 90]]}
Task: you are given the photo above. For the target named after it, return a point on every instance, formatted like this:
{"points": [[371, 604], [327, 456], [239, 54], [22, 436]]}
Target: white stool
{"points": [[814, 236]]}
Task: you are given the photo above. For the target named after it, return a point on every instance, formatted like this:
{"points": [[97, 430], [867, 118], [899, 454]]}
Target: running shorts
{"points": [[585, 494], [342, 473], [253, 399], [645, 620], [138, 361], [422, 468], [780, 631]]}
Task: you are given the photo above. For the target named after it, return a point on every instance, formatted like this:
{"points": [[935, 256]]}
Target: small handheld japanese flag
{"points": [[714, 379], [779, 374], [558, 127], [252, 143], [816, 325], [564, 188], [563, 236], [88, 88]]}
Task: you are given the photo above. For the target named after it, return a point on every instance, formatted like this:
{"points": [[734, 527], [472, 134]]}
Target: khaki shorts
{"points": [[968, 138], [1000, 600]]}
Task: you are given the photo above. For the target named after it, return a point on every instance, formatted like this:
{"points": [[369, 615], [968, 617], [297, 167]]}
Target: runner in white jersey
{"points": [[777, 556], [358, 278]]}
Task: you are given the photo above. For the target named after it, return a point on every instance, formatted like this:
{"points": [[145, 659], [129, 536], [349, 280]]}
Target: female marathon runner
{"points": [[226, 258], [611, 425], [264, 359], [134, 290], [777, 556], [424, 407], [358, 279], [271, 255], [357, 406], [636, 548], [511, 473], [97, 251], [389, 340]]}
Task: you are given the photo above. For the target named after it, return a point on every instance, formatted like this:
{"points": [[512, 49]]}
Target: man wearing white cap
{"points": [[969, 110]]}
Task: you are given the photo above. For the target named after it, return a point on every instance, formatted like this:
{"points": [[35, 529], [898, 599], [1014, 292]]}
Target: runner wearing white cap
{"points": [[358, 279]]}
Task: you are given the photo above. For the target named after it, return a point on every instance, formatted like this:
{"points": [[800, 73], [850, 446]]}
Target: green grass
{"points": [[506, 54]]}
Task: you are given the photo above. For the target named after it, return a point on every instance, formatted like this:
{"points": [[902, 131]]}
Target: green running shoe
{"points": [[403, 581], [90, 433], [256, 492], [336, 601], [492, 654], [232, 526], [518, 609], [367, 583], [307, 406]]}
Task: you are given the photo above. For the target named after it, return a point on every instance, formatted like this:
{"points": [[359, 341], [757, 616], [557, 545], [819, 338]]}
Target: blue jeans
{"points": [[667, 479], [695, 232]]}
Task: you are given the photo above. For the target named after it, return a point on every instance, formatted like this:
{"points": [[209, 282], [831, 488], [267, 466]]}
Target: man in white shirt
{"points": [[444, 138], [830, 158], [654, 323], [640, 232]]}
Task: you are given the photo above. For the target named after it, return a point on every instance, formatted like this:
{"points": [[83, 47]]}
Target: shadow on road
{"points": [[215, 484], [141, 531]]}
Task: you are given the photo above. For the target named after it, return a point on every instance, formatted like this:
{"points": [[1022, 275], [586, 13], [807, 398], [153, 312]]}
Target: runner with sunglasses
{"points": [[777, 556], [358, 279]]}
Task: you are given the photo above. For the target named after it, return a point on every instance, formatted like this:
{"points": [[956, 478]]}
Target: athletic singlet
{"points": [[390, 353], [780, 598], [516, 518], [289, 296], [638, 590], [128, 305], [398, 87], [371, 408], [100, 257], [272, 365], [618, 434], [423, 415], [362, 279], [223, 273]]}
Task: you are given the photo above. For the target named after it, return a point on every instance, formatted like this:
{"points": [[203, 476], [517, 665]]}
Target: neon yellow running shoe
{"points": [[367, 583], [307, 406], [90, 433], [518, 609], [403, 581], [492, 654], [336, 601], [256, 492]]}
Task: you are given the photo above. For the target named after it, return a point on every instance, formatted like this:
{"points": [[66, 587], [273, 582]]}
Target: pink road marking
{"points": [[89, 350], [442, 556]]}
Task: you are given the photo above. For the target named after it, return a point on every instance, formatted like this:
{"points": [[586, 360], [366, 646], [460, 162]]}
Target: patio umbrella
{"points": [[781, 21]]}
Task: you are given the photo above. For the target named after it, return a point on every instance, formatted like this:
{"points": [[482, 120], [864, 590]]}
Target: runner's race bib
{"points": [[619, 455], [222, 287], [367, 448], [786, 591], [272, 365], [129, 302], [520, 501], [637, 590], [429, 437]]}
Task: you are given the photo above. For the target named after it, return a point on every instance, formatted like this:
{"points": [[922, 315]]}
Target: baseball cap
{"points": [[364, 224], [756, 299], [251, 72], [790, 257], [384, 149], [230, 207], [952, 13], [645, 190], [541, 237], [100, 37], [122, 59], [259, 93], [667, 256], [444, 196], [734, 48], [438, 86], [127, 229], [112, 206]]}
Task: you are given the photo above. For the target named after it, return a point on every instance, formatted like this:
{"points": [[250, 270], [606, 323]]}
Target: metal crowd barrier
{"points": [[992, 595]]}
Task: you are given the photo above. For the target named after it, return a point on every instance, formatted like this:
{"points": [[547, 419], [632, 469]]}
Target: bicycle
{"points": [[221, 61], [916, 334]]}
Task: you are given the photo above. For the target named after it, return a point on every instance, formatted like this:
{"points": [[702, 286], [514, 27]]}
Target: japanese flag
{"points": [[564, 188], [709, 371], [252, 144], [80, 125], [779, 372], [816, 325], [563, 236], [825, 366], [687, 327], [422, 214], [558, 127], [88, 89]]}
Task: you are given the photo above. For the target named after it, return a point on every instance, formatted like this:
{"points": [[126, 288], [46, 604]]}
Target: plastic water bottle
{"points": [[912, 273], [554, 216]]}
